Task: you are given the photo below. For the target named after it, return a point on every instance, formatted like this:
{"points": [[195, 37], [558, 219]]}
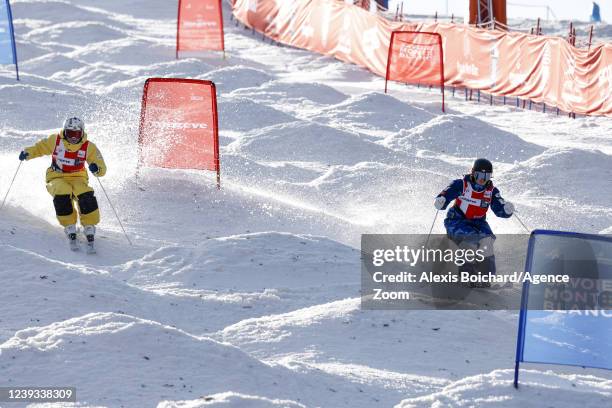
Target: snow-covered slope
{"points": [[249, 295]]}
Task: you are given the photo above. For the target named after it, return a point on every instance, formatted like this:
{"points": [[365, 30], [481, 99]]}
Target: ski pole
{"points": [[115, 211], [431, 229], [10, 185], [521, 222]]}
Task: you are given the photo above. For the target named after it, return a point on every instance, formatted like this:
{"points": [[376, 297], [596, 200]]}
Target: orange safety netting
{"points": [[543, 69]]}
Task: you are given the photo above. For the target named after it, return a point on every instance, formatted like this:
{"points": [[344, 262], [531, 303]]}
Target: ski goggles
{"points": [[482, 176], [73, 135]]}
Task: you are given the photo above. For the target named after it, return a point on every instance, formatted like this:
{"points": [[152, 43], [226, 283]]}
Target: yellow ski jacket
{"points": [[45, 147]]}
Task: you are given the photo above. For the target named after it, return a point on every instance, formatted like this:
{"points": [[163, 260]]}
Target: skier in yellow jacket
{"points": [[67, 179]]}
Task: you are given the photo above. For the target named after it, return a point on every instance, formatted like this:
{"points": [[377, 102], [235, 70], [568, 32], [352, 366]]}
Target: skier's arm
{"points": [[497, 204], [454, 190], [95, 157], [43, 147]]}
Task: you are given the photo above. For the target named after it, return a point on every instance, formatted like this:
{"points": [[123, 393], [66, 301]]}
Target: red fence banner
{"points": [[416, 57], [178, 125], [199, 27], [543, 69]]}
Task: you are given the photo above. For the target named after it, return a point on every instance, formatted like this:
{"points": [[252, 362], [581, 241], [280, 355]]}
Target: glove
{"points": [[23, 155], [93, 167], [509, 208], [439, 203]]}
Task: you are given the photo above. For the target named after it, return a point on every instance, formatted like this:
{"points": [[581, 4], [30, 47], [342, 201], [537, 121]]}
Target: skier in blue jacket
{"points": [[466, 223]]}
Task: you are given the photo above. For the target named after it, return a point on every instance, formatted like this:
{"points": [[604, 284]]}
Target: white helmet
{"points": [[74, 128]]}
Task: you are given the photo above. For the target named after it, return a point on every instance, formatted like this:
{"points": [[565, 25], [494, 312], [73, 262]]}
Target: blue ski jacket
{"points": [[458, 226]]}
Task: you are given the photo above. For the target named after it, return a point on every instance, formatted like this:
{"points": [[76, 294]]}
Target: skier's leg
{"points": [[467, 234], [461, 230], [61, 191], [88, 211], [486, 244], [489, 265], [484, 228], [88, 204]]}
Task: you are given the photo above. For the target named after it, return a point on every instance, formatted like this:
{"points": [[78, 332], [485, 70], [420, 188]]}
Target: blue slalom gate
{"points": [[8, 50], [570, 323]]}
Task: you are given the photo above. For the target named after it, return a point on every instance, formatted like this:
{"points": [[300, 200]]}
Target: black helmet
{"points": [[482, 171], [482, 165]]}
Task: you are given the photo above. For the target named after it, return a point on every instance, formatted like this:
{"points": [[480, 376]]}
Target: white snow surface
{"points": [[248, 296]]}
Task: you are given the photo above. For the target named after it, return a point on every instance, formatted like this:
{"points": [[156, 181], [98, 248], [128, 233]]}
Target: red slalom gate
{"points": [[199, 26], [416, 57], [179, 125]]}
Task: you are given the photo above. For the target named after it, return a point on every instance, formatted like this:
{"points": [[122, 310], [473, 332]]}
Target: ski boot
{"points": [[71, 231], [90, 231]]}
